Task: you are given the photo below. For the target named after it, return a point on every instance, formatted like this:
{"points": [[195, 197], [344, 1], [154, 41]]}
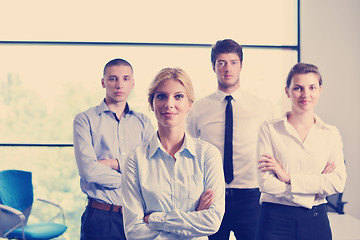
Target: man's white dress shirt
{"points": [[206, 121]]}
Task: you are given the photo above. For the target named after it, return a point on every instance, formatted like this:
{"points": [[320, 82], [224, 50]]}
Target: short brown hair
{"points": [[302, 68], [117, 62], [225, 46]]}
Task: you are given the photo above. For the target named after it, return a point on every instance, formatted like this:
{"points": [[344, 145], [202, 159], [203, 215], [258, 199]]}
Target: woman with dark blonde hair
{"points": [[173, 186], [301, 162]]}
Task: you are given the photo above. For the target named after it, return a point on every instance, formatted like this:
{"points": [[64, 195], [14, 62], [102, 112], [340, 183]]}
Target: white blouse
{"points": [[303, 161], [168, 190]]}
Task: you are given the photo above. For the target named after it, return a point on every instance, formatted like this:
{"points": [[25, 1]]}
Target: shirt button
{"points": [[123, 153], [315, 214]]}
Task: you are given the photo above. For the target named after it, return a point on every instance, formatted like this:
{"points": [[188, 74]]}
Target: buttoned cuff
{"points": [[305, 184], [303, 200], [156, 220]]}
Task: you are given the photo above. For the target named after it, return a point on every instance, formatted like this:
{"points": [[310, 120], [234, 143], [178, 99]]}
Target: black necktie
{"points": [[228, 146]]}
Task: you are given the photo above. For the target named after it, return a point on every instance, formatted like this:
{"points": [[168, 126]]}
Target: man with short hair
{"points": [[230, 119], [103, 137]]}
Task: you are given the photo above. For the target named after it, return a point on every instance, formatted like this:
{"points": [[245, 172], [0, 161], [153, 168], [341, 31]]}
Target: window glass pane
{"points": [[249, 22], [42, 87], [264, 74]]}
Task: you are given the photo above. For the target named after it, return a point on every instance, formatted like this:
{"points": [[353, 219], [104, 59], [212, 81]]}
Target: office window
{"points": [[52, 60], [259, 22]]}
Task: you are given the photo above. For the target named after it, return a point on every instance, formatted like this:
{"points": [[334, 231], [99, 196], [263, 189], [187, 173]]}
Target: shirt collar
{"points": [[189, 144], [318, 122], [155, 145], [104, 108], [236, 95]]}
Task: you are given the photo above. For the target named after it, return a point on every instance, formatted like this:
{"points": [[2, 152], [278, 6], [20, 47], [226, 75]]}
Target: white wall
{"points": [[330, 39]]}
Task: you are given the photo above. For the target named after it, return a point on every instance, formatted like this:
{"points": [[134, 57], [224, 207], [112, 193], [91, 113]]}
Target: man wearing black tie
{"points": [[230, 119]]}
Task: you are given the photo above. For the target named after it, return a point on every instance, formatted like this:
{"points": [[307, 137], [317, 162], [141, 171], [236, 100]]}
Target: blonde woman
{"points": [[300, 163], [173, 186]]}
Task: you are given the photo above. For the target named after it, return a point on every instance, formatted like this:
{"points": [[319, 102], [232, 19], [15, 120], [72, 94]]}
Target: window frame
{"points": [[296, 48]]}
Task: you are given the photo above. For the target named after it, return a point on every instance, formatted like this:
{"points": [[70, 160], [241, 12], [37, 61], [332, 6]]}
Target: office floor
{"points": [[344, 227]]}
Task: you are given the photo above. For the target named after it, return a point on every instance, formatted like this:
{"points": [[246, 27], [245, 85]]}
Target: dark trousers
{"points": [[100, 225], [281, 222], [241, 214]]}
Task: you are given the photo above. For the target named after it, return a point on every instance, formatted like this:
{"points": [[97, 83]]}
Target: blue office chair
{"points": [[335, 203], [16, 200]]}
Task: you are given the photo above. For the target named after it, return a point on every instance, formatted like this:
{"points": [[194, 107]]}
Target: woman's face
{"points": [[304, 92], [171, 104]]}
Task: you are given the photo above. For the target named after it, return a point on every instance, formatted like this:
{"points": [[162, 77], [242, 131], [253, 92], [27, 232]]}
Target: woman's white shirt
{"points": [[303, 161], [154, 183]]}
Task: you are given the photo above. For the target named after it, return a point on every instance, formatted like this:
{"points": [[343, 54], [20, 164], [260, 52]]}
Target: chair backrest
{"points": [[16, 189], [335, 203], [9, 220]]}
